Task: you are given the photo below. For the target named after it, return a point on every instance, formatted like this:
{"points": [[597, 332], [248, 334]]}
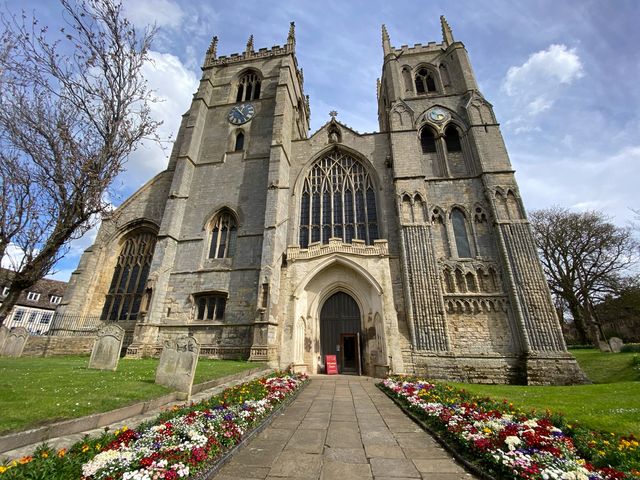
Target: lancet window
{"points": [[130, 277], [425, 82], [338, 201]]}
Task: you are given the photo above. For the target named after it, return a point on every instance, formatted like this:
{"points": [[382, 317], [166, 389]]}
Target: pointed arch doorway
{"points": [[340, 322]]}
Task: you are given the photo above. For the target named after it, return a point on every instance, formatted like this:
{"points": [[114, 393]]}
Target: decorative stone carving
{"points": [[616, 344], [15, 342], [106, 348], [178, 362]]}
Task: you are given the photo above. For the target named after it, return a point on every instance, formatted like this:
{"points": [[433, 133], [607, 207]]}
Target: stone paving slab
{"points": [[342, 427]]}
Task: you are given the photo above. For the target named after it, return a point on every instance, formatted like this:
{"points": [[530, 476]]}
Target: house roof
{"points": [[46, 287]]}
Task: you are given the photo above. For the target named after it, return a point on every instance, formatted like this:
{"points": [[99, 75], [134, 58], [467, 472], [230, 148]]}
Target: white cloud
{"points": [[545, 69], [173, 84], [13, 257], [164, 13]]}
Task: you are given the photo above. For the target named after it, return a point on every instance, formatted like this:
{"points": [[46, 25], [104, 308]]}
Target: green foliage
{"points": [[603, 367], [631, 347], [37, 391]]}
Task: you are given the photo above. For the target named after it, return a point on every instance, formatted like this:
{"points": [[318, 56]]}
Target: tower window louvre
{"points": [[452, 139], [425, 82], [427, 141]]}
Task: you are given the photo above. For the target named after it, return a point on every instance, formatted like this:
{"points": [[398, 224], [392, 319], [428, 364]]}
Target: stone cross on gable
{"points": [[333, 114]]}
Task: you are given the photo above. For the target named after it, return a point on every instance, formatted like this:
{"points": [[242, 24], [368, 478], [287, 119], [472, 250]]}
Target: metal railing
{"points": [[66, 325]]}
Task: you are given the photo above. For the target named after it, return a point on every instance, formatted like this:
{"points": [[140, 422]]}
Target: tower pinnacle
{"points": [[291, 39], [447, 34], [386, 42], [213, 47], [250, 44]]}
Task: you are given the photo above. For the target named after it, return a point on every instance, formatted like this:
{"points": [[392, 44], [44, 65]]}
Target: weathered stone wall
{"points": [[38, 346]]}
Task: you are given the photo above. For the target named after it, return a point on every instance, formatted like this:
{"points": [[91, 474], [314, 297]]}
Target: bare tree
{"points": [[584, 257], [73, 106]]}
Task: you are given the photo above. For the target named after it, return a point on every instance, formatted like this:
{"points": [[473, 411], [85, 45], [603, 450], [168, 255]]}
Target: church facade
{"points": [[406, 250]]}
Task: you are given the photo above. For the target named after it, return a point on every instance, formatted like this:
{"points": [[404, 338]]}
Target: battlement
{"points": [[419, 48], [274, 51]]}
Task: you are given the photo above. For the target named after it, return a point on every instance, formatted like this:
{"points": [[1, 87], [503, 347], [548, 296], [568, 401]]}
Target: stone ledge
{"points": [[16, 440]]}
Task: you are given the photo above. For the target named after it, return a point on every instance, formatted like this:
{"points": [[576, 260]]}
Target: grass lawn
{"points": [[35, 391], [611, 404]]}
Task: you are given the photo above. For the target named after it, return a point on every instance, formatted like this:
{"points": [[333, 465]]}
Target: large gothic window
{"points": [[223, 235], [338, 200], [248, 87], [130, 277]]}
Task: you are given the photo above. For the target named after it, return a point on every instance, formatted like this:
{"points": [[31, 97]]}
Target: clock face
{"points": [[438, 115], [241, 114]]}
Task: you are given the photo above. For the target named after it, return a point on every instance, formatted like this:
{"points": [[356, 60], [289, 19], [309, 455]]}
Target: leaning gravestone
{"points": [[178, 362], [616, 344], [604, 346], [4, 332], [107, 347], [15, 342]]}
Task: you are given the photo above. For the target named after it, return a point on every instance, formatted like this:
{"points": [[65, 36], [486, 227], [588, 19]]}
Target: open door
{"points": [[350, 353]]}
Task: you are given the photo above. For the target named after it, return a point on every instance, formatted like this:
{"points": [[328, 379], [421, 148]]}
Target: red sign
{"points": [[332, 364]]}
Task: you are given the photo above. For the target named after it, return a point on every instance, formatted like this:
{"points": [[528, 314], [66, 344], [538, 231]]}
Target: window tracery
{"points": [[425, 83], [223, 235], [248, 87], [338, 201]]}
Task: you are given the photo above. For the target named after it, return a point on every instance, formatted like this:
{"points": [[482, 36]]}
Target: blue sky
{"points": [[561, 75]]}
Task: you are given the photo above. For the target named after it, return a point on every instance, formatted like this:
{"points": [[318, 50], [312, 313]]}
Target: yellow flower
{"points": [[44, 454], [125, 428], [62, 452], [25, 460], [486, 430], [3, 469], [85, 448], [97, 446], [601, 452]]}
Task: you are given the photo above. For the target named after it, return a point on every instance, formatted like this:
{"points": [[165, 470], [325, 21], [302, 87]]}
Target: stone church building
{"points": [[406, 250]]}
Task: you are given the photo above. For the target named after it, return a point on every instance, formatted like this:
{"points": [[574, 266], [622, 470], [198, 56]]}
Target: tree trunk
{"points": [[8, 303], [582, 330]]}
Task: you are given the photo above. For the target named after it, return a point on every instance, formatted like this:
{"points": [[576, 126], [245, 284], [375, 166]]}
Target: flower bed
{"points": [[502, 441], [180, 443]]}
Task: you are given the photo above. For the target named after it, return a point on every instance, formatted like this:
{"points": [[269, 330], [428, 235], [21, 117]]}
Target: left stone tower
{"points": [[198, 249]]}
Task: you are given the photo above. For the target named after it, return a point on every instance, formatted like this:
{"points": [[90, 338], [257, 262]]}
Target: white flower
{"points": [[512, 442]]}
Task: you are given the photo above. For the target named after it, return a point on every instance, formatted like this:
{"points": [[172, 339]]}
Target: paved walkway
{"points": [[342, 427]]}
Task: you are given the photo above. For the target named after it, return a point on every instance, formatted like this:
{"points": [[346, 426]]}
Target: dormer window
{"points": [[33, 296], [5, 291], [248, 88], [55, 299], [425, 82]]}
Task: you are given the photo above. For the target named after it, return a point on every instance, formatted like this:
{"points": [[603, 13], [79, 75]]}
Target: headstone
{"points": [[178, 362], [616, 344], [604, 346], [15, 342], [4, 332], [107, 347]]}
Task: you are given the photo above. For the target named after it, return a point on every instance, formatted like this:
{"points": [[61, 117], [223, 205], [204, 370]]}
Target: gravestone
{"points": [[604, 346], [616, 344], [4, 332], [15, 342], [106, 349], [178, 362]]}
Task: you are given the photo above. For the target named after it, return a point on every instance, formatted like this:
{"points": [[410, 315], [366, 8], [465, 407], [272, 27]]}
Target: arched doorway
{"points": [[340, 332]]}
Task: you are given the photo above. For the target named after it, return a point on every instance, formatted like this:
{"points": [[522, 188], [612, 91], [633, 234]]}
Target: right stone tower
{"points": [[476, 302]]}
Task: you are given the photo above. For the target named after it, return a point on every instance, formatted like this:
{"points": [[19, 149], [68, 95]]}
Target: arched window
{"points": [[460, 233], [248, 87], [425, 82], [130, 277], [338, 200], [239, 142], [223, 235], [452, 139], [427, 140]]}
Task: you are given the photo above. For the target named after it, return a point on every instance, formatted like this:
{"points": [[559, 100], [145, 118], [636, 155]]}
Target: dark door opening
{"points": [[350, 353], [339, 332]]}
